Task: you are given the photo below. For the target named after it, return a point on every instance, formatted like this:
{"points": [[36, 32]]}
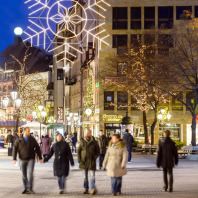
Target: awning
{"points": [[50, 86], [11, 123], [54, 126]]}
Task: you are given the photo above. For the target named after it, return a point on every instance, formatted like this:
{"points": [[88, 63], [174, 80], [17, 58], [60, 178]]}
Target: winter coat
{"points": [[10, 139], [74, 140], [116, 159], [103, 144], [167, 154], [129, 141], [26, 150], [88, 152], [45, 145], [62, 158]]}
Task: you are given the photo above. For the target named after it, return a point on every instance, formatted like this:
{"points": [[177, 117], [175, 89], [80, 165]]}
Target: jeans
{"points": [[101, 159], [86, 179], [73, 148], [116, 184], [130, 154], [170, 173], [61, 182], [27, 166]]}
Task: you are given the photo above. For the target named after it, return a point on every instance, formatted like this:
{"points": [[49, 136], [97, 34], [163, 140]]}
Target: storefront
{"points": [[189, 134]]}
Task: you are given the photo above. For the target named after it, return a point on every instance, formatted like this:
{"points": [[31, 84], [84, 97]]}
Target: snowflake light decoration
{"points": [[66, 25]]}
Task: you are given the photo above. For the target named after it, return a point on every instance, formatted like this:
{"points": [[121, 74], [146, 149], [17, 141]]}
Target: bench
{"points": [[145, 148], [188, 150]]}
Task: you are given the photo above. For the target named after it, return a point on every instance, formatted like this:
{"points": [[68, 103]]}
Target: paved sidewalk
{"points": [[143, 180]]}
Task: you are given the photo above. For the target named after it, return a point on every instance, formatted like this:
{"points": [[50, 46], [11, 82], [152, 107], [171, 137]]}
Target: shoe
{"points": [[170, 190], [119, 193], [31, 191], [85, 192], [94, 191], [26, 191], [129, 162], [61, 192], [100, 167], [114, 194]]}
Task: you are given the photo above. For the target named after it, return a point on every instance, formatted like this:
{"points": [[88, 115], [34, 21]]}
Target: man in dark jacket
{"points": [[103, 143], [129, 144], [27, 146], [167, 157], [88, 152], [10, 140], [74, 141], [62, 158]]}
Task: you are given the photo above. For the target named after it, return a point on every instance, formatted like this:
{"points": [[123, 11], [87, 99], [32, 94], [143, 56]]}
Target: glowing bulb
{"points": [[18, 31]]}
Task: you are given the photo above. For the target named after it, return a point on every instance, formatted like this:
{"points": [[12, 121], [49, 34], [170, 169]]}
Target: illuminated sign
{"points": [[60, 114], [112, 118]]}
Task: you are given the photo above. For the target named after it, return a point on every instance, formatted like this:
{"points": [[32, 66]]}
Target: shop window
{"points": [[59, 74], [122, 100], [120, 16], [119, 40], [177, 105], [196, 11], [174, 128], [165, 42], [183, 12], [149, 17], [108, 100], [165, 17], [136, 18], [122, 69]]}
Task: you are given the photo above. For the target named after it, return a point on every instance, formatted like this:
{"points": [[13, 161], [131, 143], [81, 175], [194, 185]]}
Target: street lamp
{"points": [[18, 102], [40, 107], [14, 94], [88, 112], [5, 101]]}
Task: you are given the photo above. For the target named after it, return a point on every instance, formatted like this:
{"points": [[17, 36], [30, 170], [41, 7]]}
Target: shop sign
{"points": [[60, 114], [112, 118]]}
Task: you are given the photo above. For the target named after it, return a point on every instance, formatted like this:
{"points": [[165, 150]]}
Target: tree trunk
{"points": [[153, 127], [194, 122], [145, 127]]}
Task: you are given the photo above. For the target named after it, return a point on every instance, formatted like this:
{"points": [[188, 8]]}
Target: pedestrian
{"points": [[103, 144], [16, 137], [68, 140], [26, 146], [38, 139], [45, 144], [167, 157], [74, 141], [129, 144], [10, 139], [63, 156], [88, 152], [115, 161], [109, 135]]}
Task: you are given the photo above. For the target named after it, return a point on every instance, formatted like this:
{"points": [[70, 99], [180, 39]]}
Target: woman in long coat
{"points": [[45, 145], [63, 156], [115, 161]]}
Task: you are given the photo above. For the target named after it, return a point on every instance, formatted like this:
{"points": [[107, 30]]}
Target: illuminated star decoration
{"points": [[66, 25]]}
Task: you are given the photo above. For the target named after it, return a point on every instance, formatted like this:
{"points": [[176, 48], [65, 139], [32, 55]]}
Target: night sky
{"points": [[13, 13]]}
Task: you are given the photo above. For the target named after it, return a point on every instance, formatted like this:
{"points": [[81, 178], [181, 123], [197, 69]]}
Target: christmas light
{"points": [[60, 19]]}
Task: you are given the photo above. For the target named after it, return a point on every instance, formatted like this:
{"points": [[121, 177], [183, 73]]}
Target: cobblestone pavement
{"points": [[143, 180]]}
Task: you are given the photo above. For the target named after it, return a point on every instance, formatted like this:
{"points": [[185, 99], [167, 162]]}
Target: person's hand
{"points": [[14, 162], [41, 161]]}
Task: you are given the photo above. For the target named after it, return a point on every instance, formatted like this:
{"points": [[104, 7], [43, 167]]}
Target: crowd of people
{"points": [[114, 152]]}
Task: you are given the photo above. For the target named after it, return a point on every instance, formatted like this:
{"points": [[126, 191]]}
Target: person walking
{"points": [[74, 142], [167, 157], [88, 152], [10, 142], [68, 140], [26, 146], [115, 161], [45, 144], [129, 144], [103, 144], [63, 156]]}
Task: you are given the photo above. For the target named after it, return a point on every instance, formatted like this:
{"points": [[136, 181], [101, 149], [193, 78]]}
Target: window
{"points": [[119, 40], [4, 88], [136, 18], [122, 69], [136, 39], [149, 18], [120, 16], [108, 99], [122, 100], [196, 11], [177, 105], [165, 17], [149, 39], [165, 42], [133, 103], [59, 74], [183, 12]]}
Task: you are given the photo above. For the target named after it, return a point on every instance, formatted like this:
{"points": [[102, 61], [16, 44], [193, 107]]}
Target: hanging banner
{"points": [[59, 114]]}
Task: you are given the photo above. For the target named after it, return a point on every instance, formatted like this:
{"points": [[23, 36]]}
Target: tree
{"points": [[31, 86], [138, 66], [182, 67]]}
